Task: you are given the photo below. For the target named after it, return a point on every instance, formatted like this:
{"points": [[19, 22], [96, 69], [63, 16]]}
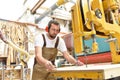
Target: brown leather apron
{"points": [[39, 70]]}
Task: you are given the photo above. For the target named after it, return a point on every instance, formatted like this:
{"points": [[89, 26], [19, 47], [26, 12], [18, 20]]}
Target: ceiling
{"points": [[38, 8], [42, 8]]}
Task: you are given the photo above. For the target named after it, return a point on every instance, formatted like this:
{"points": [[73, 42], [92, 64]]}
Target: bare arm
{"points": [[41, 60], [38, 55], [71, 59]]}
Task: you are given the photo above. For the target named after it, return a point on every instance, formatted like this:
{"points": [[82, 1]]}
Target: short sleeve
{"points": [[61, 45], [38, 40]]}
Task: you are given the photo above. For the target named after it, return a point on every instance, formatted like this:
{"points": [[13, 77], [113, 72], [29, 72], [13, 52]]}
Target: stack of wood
{"points": [[19, 36]]}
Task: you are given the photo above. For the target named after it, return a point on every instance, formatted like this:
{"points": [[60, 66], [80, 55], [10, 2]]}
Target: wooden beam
{"points": [[37, 5]]}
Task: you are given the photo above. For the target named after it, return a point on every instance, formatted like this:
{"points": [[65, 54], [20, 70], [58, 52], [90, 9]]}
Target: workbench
{"points": [[91, 71]]}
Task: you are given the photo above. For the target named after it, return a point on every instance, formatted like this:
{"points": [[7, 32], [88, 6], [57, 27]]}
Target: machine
{"points": [[91, 18]]}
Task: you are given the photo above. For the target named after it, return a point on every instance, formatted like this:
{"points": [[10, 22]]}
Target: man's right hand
{"points": [[49, 66]]}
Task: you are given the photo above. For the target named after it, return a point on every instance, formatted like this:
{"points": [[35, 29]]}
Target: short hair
{"points": [[52, 22]]}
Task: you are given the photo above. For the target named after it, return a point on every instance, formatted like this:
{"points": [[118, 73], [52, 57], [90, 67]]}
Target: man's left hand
{"points": [[79, 63]]}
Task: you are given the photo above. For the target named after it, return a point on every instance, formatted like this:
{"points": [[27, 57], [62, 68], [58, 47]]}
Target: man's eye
{"points": [[55, 30]]}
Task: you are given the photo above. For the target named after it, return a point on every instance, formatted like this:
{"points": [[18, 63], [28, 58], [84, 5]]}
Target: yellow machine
{"points": [[91, 18]]}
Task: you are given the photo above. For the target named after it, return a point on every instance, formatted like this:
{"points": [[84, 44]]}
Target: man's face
{"points": [[54, 30]]}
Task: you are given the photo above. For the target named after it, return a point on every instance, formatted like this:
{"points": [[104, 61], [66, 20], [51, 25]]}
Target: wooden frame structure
{"points": [[18, 37], [19, 34]]}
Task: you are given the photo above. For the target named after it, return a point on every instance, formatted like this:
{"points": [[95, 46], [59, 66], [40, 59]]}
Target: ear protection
{"points": [[46, 28]]}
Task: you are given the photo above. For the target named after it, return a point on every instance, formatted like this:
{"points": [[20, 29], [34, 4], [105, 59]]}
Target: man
{"points": [[46, 48]]}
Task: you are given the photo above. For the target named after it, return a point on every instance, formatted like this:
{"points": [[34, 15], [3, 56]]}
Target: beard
{"points": [[52, 36]]}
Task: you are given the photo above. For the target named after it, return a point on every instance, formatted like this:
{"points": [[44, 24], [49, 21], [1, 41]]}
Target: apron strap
{"points": [[44, 40], [57, 41]]}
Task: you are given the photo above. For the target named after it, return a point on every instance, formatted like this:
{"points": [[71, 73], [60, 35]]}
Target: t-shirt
{"points": [[50, 43]]}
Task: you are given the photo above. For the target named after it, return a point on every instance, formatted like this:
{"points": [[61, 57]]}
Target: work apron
{"points": [[39, 70]]}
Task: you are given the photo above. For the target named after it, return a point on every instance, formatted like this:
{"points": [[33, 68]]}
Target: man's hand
{"points": [[49, 66], [79, 63]]}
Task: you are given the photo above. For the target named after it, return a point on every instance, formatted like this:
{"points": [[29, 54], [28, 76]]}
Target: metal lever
{"points": [[110, 39]]}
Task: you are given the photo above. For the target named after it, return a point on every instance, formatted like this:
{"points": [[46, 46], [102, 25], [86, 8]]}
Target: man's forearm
{"points": [[72, 60], [69, 58], [41, 60]]}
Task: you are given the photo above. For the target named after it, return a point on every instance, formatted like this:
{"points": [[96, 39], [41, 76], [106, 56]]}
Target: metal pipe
{"points": [[53, 7]]}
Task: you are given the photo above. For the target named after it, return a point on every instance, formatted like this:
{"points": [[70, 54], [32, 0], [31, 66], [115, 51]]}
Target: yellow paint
{"points": [[83, 74]]}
